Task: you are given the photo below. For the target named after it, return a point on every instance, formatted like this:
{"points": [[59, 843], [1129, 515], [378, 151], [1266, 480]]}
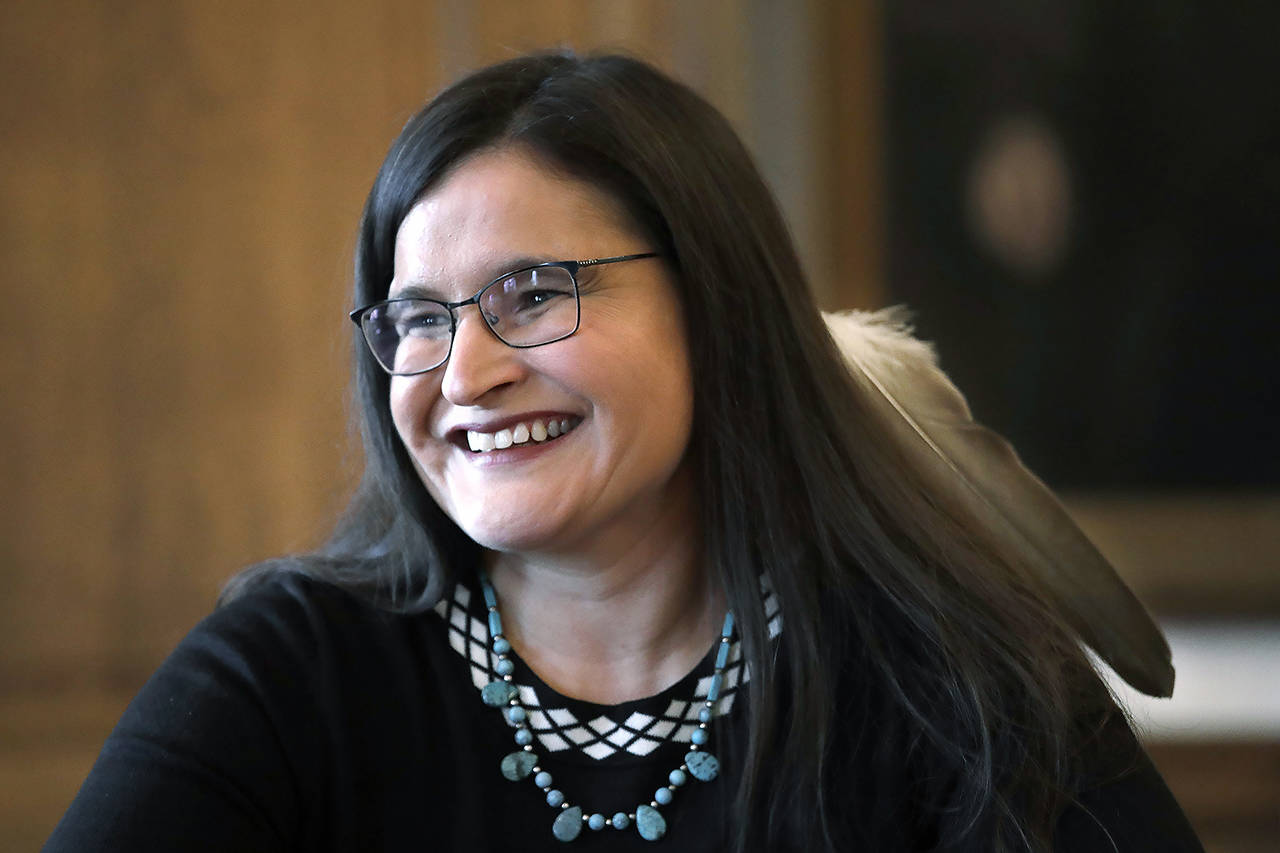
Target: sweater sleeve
{"points": [[211, 754]]}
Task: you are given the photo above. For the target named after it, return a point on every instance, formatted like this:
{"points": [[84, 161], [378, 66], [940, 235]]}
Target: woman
{"points": [[630, 537]]}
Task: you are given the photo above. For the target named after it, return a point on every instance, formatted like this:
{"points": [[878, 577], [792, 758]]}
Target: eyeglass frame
{"points": [[571, 267]]}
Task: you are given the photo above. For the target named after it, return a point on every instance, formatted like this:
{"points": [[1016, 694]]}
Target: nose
{"points": [[479, 363]]}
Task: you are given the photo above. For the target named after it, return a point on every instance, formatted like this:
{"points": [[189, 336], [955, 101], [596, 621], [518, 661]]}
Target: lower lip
{"points": [[515, 453]]}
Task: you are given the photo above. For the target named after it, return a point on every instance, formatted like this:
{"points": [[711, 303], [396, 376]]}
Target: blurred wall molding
{"points": [[1190, 555]]}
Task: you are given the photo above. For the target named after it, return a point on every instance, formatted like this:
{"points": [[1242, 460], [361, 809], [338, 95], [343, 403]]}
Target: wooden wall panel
{"points": [[851, 229], [181, 186], [181, 191]]}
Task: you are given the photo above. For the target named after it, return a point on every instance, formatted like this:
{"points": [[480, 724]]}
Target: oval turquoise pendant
{"points": [[702, 765], [568, 824], [650, 823], [498, 693], [518, 765]]}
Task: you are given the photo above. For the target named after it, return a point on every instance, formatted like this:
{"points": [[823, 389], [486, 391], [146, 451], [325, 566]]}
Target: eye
{"points": [[534, 298], [411, 318]]}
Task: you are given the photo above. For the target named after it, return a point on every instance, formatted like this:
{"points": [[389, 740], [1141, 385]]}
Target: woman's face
{"points": [[621, 383]]}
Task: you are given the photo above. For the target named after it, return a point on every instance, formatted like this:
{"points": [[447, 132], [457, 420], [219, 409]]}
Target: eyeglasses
{"points": [[524, 308]]}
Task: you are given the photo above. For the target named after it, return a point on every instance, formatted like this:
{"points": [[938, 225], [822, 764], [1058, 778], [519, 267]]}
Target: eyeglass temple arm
{"points": [[595, 262]]}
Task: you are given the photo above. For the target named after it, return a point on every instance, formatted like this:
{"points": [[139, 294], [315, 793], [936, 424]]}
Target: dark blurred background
{"points": [[1078, 201], [1084, 200]]}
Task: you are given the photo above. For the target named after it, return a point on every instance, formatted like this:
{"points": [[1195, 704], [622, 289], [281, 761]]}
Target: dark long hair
{"points": [[912, 673]]}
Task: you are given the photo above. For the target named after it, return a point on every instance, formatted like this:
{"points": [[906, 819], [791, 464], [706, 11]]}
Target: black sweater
{"points": [[298, 718]]}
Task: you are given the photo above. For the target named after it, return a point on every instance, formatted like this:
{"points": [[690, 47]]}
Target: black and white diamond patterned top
{"points": [[563, 726]]}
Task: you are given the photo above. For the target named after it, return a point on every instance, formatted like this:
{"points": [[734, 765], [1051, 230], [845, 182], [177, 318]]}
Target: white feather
{"points": [[976, 473]]}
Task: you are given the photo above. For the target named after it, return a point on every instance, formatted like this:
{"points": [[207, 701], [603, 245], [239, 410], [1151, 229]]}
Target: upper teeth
{"points": [[539, 430]]}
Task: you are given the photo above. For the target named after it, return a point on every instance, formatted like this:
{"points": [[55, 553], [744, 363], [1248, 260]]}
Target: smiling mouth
{"points": [[536, 431]]}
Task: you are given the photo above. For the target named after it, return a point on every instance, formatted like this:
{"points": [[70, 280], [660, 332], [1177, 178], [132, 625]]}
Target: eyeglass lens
{"points": [[524, 309]]}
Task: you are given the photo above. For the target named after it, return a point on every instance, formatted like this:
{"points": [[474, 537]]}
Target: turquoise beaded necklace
{"points": [[523, 763]]}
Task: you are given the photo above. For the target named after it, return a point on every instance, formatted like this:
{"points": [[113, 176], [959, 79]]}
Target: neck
{"points": [[622, 619]]}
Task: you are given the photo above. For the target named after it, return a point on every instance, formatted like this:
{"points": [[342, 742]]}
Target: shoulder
{"points": [[220, 749], [294, 607], [292, 648], [287, 619], [270, 651], [1122, 803]]}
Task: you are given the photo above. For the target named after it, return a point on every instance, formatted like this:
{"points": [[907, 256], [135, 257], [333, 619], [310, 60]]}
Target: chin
{"points": [[503, 542], [512, 534]]}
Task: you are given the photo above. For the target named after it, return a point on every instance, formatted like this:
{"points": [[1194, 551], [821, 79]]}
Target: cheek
{"points": [[677, 401], [399, 402], [410, 400], [652, 398], [680, 409]]}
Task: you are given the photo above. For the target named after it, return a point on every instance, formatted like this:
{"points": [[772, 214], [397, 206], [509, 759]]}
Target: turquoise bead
{"points": [[662, 796], [703, 766], [650, 823], [516, 714], [495, 623], [501, 647], [678, 777], [523, 737], [555, 799], [518, 765], [490, 600], [568, 824], [504, 667], [596, 821], [542, 780], [621, 821], [722, 656], [699, 736], [713, 692], [497, 693], [704, 715]]}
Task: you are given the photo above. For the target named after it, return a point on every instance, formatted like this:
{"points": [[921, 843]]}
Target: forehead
{"points": [[496, 207]]}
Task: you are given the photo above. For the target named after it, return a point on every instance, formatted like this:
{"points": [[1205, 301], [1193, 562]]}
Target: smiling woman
{"points": [[635, 556]]}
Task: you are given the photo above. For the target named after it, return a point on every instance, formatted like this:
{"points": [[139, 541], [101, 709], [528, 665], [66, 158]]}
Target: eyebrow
{"points": [[422, 290]]}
